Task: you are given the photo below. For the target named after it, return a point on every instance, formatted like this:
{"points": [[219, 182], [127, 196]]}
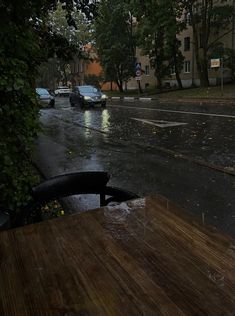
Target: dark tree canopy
{"points": [[115, 41], [25, 42]]}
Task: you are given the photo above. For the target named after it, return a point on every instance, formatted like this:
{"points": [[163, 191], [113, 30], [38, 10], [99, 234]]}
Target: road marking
{"points": [[172, 111], [159, 123], [129, 98], [145, 99]]}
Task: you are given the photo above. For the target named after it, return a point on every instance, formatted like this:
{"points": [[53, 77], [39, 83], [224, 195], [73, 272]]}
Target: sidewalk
{"points": [[195, 95]]}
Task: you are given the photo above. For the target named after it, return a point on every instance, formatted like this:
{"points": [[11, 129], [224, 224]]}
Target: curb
{"points": [[132, 98], [199, 101], [181, 101], [145, 99]]}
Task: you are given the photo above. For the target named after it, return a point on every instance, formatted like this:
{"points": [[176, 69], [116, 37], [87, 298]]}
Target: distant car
{"points": [[62, 91], [87, 95], [45, 98]]}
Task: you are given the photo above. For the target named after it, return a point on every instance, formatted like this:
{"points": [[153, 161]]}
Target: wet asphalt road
{"points": [[184, 152]]}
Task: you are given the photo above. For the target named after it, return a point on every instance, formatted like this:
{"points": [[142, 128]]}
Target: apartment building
{"points": [[81, 68], [189, 73]]}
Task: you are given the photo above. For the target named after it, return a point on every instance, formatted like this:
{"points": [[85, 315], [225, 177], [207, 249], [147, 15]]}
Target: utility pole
{"points": [[233, 24], [193, 60], [222, 76]]}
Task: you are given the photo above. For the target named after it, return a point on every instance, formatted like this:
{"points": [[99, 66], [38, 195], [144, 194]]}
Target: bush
{"points": [[19, 57], [25, 42]]}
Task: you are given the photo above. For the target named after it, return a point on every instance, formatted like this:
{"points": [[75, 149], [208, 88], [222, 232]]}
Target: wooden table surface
{"points": [[145, 257]]}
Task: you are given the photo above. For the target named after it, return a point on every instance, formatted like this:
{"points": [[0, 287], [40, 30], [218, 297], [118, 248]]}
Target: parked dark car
{"points": [[45, 98], [87, 95]]}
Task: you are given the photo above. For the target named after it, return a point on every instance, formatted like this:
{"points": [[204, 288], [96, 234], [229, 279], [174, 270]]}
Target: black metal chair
{"points": [[65, 185], [5, 221], [71, 184], [80, 183]]}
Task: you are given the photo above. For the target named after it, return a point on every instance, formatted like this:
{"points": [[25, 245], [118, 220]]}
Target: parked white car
{"points": [[62, 91]]}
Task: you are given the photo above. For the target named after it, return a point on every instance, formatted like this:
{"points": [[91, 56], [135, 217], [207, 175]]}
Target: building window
{"points": [[186, 44], [187, 17], [187, 66], [147, 70], [172, 70]]}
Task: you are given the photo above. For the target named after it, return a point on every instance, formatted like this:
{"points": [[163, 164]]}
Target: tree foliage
{"points": [[114, 41], [78, 34], [157, 28], [211, 21], [25, 42], [75, 37]]}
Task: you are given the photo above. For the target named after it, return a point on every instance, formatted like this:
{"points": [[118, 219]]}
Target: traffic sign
{"points": [[215, 63], [138, 72], [138, 66]]}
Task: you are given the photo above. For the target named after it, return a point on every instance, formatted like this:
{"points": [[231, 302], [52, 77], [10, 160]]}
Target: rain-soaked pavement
{"points": [[184, 152]]}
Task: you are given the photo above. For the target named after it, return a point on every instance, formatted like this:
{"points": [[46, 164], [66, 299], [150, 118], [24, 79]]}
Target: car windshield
{"points": [[42, 91], [88, 89]]}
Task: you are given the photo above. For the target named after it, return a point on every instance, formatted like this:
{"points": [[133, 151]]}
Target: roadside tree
{"points": [[114, 41], [211, 22], [77, 35], [158, 23]]}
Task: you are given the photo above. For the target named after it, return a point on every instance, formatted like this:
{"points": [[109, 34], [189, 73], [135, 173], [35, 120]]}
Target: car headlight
{"points": [[104, 96], [87, 97]]}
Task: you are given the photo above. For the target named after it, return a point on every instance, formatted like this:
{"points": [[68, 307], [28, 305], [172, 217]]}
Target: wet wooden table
{"points": [[145, 257]]}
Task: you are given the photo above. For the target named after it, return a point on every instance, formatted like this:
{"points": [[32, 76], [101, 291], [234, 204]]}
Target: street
{"points": [[183, 152]]}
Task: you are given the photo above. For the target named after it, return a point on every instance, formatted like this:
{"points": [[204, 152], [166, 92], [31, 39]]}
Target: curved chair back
{"points": [[71, 184]]}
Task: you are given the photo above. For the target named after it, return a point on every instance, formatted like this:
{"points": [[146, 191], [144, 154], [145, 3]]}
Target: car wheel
{"points": [[82, 105], [71, 102], [103, 104], [52, 103]]}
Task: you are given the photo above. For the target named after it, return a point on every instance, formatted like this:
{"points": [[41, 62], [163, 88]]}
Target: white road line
{"points": [[145, 99], [159, 123], [129, 98], [173, 111]]}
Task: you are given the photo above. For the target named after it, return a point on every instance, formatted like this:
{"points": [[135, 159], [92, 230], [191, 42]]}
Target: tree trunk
{"points": [[204, 73], [177, 72], [177, 75], [119, 84], [139, 87], [200, 62], [159, 82]]}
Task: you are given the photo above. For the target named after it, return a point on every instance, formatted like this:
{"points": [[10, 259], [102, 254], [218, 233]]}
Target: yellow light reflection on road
{"points": [[87, 123], [105, 124], [87, 118]]}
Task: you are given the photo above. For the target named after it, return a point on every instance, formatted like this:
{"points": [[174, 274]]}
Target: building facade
{"points": [[189, 73]]}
